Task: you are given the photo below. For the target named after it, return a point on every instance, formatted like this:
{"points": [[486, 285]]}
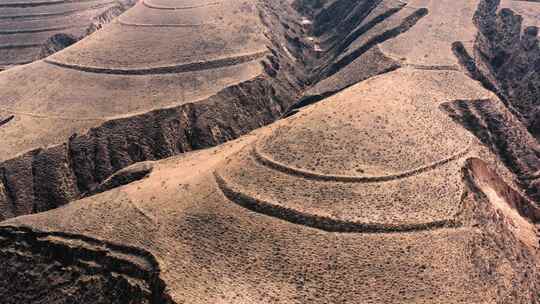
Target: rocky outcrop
{"points": [[503, 133], [65, 265], [506, 60], [56, 43], [508, 238]]}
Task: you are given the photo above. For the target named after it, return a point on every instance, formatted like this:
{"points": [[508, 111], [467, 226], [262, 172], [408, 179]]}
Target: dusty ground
{"points": [[26, 26], [226, 226], [107, 91], [402, 173]]}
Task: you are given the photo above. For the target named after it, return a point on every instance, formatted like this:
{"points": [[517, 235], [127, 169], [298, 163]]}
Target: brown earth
{"points": [[31, 30], [404, 168], [110, 106]]}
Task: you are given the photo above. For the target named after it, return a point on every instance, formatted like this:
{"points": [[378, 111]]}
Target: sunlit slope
{"points": [[26, 25], [127, 69], [412, 33], [214, 72], [396, 189], [426, 44], [195, 35], [276, 217]]}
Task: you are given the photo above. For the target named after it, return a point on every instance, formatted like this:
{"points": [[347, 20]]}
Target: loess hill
{"points": [[33, 29], [375, 151]]}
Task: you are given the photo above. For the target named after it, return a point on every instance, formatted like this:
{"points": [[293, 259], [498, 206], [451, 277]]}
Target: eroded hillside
{"points": [[402, 167], [119, 97]]}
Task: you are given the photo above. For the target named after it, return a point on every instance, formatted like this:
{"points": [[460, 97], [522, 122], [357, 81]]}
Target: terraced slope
{"points": [[26, 26], [406, 187], [413, 186], [276, 216], [123, 96], [121, 72]]}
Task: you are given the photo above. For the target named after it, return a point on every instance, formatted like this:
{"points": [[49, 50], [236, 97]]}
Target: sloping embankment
{"points": [[47, 178]]}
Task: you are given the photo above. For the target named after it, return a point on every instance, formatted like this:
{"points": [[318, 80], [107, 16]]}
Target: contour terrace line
{"points": [[120, 21], [267, 161], [37, 30], [63, 13], [162, 7], [23, 4], [176, 68], [324, 222]]}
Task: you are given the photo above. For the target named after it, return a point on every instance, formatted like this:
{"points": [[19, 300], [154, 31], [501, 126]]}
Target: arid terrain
{"points": [[34, 29], [270, 151]]}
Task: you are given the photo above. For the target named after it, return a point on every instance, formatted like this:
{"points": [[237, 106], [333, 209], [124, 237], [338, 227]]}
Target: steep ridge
{"points": [[505, 60], [195, 100], [27, 26]]}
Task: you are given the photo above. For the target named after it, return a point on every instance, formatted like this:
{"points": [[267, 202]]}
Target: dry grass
{"points": [[365, 197]]}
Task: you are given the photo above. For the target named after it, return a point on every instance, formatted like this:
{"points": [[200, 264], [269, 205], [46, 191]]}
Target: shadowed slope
{"points": [[505, 60], [118, 274]]}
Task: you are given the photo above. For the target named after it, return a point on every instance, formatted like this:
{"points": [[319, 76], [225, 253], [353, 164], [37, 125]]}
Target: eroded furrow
{"points": [[66, 265], [44, 179]]}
